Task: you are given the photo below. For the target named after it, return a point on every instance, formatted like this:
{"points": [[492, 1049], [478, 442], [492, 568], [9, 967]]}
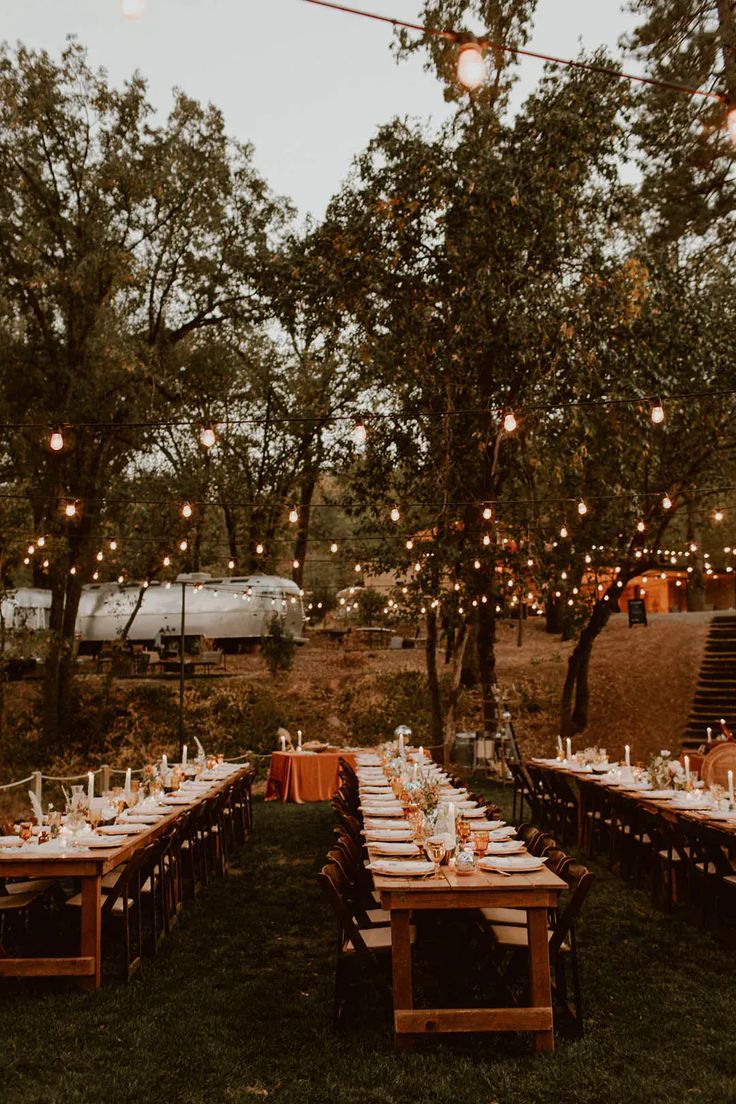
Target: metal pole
{"points": [[182, 636]]}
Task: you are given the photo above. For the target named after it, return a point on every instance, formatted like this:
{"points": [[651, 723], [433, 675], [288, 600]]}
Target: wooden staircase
{"points": [[715, 693]]}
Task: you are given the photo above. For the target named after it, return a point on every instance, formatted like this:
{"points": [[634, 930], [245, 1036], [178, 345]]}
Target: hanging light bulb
{"points": [[582, 508], [666, 502], [41, 542], [360, 435], [186, 510], [563, 531], [718, 515], [486, 539], [121, 578], [295, 564], [471, 65], [167, 561], [395, 513], [56, 441], [113, 546], [26, 560], [509, 422], [357, 569], [207, 437], [640, 526], [183, 545], [731, 124], [31, 549], [259, 550], [133, 9], [70, 509], [100, 557], [487, 513], [293, 515], [72, 571], [658, 413], [96, 575]]}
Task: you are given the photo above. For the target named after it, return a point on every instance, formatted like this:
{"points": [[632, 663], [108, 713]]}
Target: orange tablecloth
{"points": [[300, 776]]}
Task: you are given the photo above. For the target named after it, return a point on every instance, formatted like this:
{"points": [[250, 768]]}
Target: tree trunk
{"points": [[231, 527], [461, 639], [696, 581], [129, 623], [554, 615], [486, 639], [306, 493], [470, 675], [576, 692], [435, 697]]}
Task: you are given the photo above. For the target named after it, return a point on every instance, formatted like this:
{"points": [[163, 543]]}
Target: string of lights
{"points": [[472, 71], [210, 432]]}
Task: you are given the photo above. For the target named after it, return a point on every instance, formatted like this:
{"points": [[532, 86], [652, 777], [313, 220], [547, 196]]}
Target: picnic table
{"points": [[89, 866], [536, 892]]}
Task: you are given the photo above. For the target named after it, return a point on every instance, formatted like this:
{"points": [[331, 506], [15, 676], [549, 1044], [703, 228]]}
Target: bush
{"points": [[278, 647]]}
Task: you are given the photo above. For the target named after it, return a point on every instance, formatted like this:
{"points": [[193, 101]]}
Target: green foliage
{"points": [[278, 647]]}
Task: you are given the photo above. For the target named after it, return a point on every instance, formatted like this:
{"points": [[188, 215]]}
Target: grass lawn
{"points": [[237, 1007]]}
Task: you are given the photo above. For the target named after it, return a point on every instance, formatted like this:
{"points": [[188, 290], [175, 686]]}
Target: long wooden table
{"points": [[89, 866], [535, 892]]}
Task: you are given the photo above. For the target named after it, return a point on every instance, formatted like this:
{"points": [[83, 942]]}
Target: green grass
{"points": [[237, 1007]]}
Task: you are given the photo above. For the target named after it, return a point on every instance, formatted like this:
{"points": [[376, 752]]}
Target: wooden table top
{"points": [[15, 861]]}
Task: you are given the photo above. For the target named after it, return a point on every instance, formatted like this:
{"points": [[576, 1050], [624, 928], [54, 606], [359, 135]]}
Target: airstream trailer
{"points": [[230, 611]]}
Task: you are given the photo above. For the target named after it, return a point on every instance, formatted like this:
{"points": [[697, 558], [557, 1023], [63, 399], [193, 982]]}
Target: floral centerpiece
{"points": [[664, 771], [427, 797]]}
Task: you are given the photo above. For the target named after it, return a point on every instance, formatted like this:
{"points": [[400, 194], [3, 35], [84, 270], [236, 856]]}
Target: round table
{"points": [[301, 776]]}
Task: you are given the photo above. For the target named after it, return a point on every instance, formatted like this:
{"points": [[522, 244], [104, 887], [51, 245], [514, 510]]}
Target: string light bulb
{"points": [[70, 510], [509, 422], [640, 526], [471, 65], [31, 549], [56, 441], [208, 437], [582, 508], [186, 510], [113, 546], [718, 515], [295, 564], [666, 502], [133, 9], [41, 542], [100, 557], [409, 545], [360, 435], [487, 513], [183, 546], [658, 413], [259, 550], [167, 561], [563, 531], [293, 515], [395, 514], [231, 565]]}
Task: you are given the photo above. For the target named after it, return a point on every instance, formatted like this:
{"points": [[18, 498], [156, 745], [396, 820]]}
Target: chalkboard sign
{"points": [[637, 612]]}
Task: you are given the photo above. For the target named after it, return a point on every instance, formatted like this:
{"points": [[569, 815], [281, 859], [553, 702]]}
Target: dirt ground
{"points": [[642, 680]]}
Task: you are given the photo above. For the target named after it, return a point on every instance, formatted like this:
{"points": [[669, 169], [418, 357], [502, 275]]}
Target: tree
{"points": [[119, 241]]}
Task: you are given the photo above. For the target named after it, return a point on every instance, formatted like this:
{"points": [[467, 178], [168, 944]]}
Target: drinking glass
{"points": [[480, 842], [76, 823], [436, 849]]}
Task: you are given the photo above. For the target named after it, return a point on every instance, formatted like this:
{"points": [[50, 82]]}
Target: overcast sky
{"points": [[307, 87]]}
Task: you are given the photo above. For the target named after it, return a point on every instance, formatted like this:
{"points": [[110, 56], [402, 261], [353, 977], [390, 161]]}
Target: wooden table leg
{"points": [[540, 985], [91, 942], [403, 998]]}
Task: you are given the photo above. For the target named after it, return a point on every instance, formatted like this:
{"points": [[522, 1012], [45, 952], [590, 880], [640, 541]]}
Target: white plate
{"points": [[141, 818], [388, 835], [483, 825], [378, 822], [661, 795], [111, 841], [402, 868], [517, 864], [10, 841], [503, 833], [397, 848], [382, 810], [473, 812], [179, 800], [506, 847], [121, 829]]}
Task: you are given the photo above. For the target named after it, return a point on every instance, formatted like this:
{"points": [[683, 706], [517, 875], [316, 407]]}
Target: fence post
{"points": [[38, 784], [105, 778]]}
